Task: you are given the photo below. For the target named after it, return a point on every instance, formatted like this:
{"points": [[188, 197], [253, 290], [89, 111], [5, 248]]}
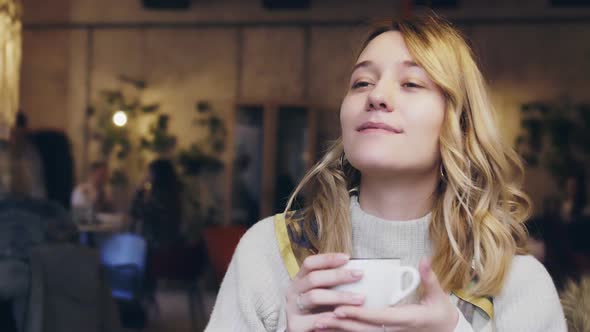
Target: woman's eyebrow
{"points": [[406, 64], [409, 63], [362, 64]]}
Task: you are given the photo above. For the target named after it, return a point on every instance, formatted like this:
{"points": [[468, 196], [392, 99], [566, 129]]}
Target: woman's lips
{"points": [[378, 126]]}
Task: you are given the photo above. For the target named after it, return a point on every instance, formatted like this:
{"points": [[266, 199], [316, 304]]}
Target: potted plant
{"points": [[114, 117], [556, 137], [201, 162]]}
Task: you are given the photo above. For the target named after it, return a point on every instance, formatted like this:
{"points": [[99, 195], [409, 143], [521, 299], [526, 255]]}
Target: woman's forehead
{"points": [[386, 47]]}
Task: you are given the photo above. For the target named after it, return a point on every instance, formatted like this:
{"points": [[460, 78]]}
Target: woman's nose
{"points": [[380, 100]]}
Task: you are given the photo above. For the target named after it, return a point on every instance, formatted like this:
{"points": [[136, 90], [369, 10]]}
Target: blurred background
{"points": [[139, 139]]}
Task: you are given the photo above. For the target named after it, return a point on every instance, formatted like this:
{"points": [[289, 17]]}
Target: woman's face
{"points": [[392, 114]]}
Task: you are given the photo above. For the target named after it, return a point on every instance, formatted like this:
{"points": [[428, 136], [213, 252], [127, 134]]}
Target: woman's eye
{"points": [[411, 85], [360, 84]]}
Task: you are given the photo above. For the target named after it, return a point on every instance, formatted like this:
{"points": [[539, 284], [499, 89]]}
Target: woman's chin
{"points": [[380, 167], [377, 165]]}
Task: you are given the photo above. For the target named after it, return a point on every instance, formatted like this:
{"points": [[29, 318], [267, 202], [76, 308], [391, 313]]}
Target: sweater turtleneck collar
{"points": [[374, 237]]}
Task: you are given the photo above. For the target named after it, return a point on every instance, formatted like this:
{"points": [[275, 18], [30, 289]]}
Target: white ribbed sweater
{"points": [[252, 298]]}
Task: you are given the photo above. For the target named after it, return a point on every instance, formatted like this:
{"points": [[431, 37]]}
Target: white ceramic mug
{"points": [[382, 283]]}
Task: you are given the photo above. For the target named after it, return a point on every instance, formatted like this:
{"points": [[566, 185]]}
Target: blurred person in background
{"points": [[549, 242], [94, 193], [156, 214], [156, 208], [574, 202], [27, 176]]}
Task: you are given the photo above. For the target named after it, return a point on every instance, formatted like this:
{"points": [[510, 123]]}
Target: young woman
{"points": [[420, 174]]}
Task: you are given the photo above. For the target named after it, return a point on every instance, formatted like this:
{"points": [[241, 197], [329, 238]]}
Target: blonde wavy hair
{"points": [[479, 210]]}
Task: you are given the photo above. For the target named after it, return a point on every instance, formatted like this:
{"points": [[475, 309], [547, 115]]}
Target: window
{"points": [[273, 147]]}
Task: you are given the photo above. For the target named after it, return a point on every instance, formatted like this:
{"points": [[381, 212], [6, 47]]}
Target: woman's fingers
{"points": [[308, 323], [320, 262], [406, 315], [310, 290], [346, 325], [327, 278], [432, 289], [326, 297]]}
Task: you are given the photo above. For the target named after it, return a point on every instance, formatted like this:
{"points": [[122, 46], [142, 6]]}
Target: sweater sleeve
{"points": [[528, 301], [251, 294]]}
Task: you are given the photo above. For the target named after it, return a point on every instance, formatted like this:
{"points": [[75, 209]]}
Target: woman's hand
{"points": [[310, 291], [434, 313]]}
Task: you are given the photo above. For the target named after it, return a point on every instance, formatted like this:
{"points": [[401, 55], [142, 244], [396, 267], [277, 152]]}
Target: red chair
{"points": [[221, 241]]}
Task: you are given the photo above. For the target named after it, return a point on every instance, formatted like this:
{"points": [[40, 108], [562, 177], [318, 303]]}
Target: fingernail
{"points": [[356, 273]]}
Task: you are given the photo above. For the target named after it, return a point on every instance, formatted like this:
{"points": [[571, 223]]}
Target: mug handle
{"points": [[400, 293]]}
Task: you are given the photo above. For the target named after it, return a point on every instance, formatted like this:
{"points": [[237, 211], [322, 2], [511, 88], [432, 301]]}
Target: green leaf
{"points": [[203, 107], [163, 120], [112, 96]]}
